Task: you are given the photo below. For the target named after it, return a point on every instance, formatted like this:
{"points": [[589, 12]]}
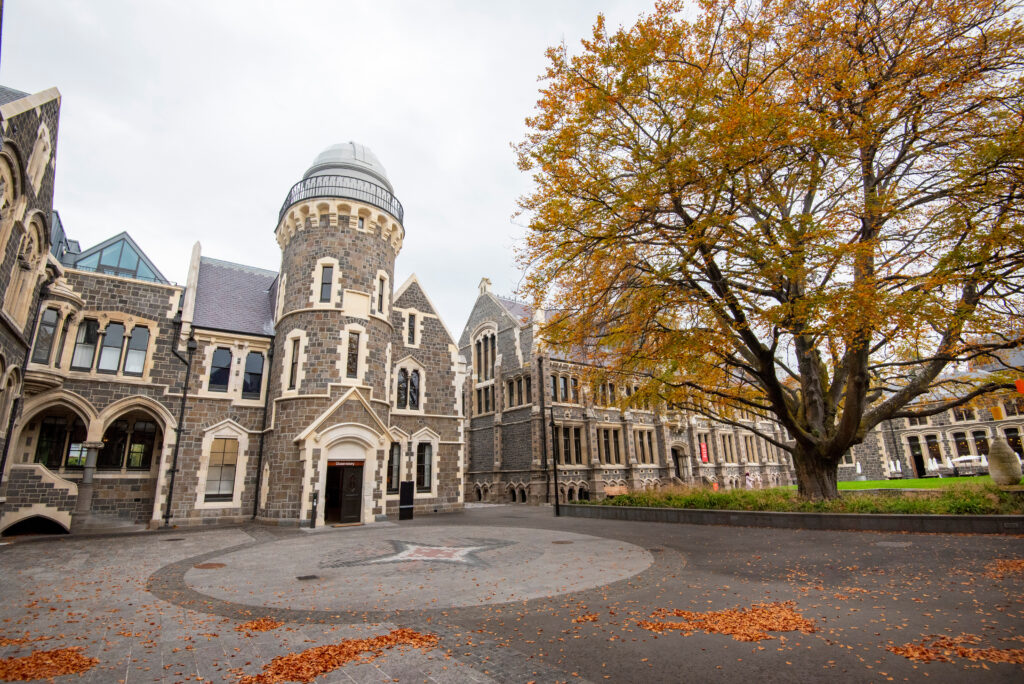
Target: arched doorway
{"points": [[343, 485]]}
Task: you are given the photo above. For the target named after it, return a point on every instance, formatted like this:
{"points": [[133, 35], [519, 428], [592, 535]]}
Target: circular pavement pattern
{"points": [[388, 568]]}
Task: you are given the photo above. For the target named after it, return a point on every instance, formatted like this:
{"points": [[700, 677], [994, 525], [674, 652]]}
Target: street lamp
{"points": [[554, 459], [191, 347]]}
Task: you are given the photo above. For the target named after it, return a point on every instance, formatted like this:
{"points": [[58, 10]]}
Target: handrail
{"points": [[343, 186]]}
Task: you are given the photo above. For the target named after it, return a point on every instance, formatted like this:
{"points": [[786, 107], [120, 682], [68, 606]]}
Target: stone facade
{"points": [[293, 376], [600, 448]]}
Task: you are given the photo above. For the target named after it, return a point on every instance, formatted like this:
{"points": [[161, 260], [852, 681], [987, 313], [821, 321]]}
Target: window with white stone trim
{"points": [[326, 286]]}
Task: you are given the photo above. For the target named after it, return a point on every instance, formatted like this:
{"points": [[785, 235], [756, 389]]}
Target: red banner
{"points": [[703, 452]]}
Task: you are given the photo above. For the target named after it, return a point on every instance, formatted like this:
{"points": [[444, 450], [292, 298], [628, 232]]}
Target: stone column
{"points": [[83, 505]]}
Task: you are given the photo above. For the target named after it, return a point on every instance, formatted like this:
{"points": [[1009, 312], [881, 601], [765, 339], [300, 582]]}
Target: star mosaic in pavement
{"points": [[406, 551]]}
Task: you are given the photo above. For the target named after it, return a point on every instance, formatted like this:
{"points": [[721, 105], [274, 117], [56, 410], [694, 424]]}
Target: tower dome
{"points": [[350, 159]]}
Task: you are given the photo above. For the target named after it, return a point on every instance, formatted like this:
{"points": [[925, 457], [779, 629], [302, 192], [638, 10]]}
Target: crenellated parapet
{"points": [[356, 216]]}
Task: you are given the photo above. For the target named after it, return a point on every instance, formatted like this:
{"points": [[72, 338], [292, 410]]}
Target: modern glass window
{"points": [[135, 355], [142, 444], [412, 328], [252, 383], [220, 370], [293, 368], [110, 349], [44, 337], [115, 443], [60, 439], [220, 476], [424, 463], [326, 283], [352, 364], [85, 345]]}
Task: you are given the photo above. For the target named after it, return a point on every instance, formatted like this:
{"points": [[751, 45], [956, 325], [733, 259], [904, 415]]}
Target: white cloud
{"points": [[189, 120]]}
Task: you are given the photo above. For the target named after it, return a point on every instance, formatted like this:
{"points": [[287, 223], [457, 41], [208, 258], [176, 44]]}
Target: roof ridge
{"points": [[241, 267]]}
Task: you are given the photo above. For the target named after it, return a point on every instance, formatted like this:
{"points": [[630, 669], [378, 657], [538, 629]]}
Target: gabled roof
{"points": [[521, 311], [10, 95], [234, 297], [413, 281], [146, 270]]}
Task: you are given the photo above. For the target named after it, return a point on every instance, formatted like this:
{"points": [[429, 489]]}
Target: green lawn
{"points": [[920, 483]]}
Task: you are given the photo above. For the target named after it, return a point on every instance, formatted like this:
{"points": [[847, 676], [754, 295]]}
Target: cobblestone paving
{"points": [[513, 595]]}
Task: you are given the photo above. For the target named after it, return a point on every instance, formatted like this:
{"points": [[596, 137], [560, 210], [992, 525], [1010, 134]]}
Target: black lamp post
{"points": [[554, 459], [191, 347]]}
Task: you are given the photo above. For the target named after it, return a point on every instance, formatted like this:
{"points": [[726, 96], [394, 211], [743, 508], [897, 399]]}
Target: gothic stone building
{"points": [[312, 393], [602, 444]]}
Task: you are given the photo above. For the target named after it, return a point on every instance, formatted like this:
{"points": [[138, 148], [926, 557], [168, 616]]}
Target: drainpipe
{"points": [[263, 432], [191, 346], [542, 387], [16, 404]]}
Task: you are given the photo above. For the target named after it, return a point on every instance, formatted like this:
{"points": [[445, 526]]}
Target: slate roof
{"points": [[522, 312], [10, 95], [234, 297]]}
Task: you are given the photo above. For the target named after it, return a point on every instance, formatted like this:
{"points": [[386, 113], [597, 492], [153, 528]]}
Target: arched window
{"points": [[60, 441], [414, 390], [402, 400]]}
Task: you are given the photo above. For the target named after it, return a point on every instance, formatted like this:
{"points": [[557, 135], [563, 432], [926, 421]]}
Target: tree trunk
{"points": [[816, 477]]}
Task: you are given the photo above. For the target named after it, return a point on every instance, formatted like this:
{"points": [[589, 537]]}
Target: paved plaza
{"points": [[512, 594]]}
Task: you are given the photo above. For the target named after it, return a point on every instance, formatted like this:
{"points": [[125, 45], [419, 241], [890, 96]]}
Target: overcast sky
{"points": [[190, 120]]}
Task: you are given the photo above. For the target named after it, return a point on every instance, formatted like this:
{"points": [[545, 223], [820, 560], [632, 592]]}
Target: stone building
{"points": [[312, 392], [515, 389]]}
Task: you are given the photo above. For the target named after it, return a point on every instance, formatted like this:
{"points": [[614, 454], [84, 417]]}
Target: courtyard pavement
{"points": [[513, 594]]}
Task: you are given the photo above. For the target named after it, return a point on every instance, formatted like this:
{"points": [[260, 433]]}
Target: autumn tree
{"points": [[808, 210]]}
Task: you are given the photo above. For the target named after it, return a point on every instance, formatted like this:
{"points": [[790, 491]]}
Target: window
{"points": [[934, 449], [487, 399], [554, 388], [63, 339], [917, 420], [962, 413], [60, 442], [615, 445], [142, 444], [220, 370], [362, 223], [606, 441], [352, 363], [1013, 439], [641, 448], [519, 391], [380, 295], [915, 448], [252, 383], [326, 283], [566, 446], [577, 441], [529, 397], [293, 369], [402, 400], [85, 345], [424, 463], [115, 441], [135, 355], [511, 400], [575, 391], [412, 328], [980, 442], [1014, 407], [963, 447], [414, 390], [110, 350], [650, 446], [394, 468], [44, 337], [563, 383], [220, 477]]}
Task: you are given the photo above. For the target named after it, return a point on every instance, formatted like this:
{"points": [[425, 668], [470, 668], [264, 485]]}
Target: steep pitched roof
{"points": [[234, 297], [521, 311], [10, 95]]}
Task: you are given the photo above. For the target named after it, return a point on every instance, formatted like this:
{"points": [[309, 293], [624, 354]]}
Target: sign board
{"points": [[703, 452], [345, 463], [615, 491]]}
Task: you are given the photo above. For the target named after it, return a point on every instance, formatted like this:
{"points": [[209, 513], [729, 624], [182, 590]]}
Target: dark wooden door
{"points": [[351, 494], [332, 495]]}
